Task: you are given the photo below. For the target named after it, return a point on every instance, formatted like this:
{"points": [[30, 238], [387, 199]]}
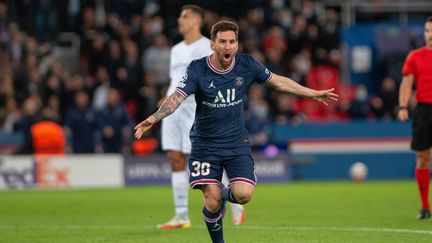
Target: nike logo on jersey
{"points": [[211, 85]]}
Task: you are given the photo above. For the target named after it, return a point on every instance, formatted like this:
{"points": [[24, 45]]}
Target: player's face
{"points": [[428, 34], [187, 21], [225, 47]]}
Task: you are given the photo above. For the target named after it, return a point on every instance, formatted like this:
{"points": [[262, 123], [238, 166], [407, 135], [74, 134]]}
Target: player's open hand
{"points": [[141, 128], [326, 96]]}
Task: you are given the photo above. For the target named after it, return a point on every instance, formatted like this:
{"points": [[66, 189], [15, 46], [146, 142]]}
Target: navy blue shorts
{"points": [[206, 166]]}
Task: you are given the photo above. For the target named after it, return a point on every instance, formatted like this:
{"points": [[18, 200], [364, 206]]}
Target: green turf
{"points": [[294, 212]]}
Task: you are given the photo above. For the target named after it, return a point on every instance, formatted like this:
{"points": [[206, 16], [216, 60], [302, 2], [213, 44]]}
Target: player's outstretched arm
{"points": [[170, 104], [287, 85]]}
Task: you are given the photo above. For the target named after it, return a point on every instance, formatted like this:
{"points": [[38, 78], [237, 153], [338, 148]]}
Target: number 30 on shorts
{"points": [[200, 168]]}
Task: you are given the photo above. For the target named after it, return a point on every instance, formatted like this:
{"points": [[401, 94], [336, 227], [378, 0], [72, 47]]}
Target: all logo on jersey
{"points": [[239, 81], [267, 71], [230, 96], [224, 98]]}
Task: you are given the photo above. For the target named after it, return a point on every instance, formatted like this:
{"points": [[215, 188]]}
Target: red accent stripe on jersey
{"points": [[242, 179], [182, 92], [219, 71], [269, 78], [206, 182]]}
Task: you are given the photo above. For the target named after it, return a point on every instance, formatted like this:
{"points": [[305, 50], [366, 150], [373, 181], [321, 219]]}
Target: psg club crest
{"points": [[238, 81]]}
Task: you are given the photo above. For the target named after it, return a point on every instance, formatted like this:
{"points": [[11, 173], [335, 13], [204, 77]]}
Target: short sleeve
{"points": [[188, 84], [409, 66], [262, 74]]}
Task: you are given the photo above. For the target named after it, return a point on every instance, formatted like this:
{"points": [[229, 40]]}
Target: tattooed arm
{"points": [[170, 104]]}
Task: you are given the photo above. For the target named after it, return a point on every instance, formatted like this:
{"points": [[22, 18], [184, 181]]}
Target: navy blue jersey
{"points": [[220, 96]]}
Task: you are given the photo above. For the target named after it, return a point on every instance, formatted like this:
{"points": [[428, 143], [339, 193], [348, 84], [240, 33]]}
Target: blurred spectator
{"points": [[257, 117], [15, 45], [284, 112], [9, 115], [29, 117], [156, 59], [96, 51], [100, 97], [329, 30], [52, 86], [115, 123], [297, 34], [133, 68], [149, 95], [114, 62], [81, 124], [389, 95], [359, 106], [385, 104], [52, 110], [4, 22], [47, 19]]}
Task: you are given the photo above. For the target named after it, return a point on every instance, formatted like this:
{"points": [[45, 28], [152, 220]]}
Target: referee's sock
{"points": [[423, 181]]}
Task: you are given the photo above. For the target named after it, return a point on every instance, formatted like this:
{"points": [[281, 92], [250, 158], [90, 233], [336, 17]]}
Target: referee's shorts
{"points": [[422, 127]]}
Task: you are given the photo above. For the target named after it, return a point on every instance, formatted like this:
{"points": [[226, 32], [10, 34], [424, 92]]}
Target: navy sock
{"points": [[214, 224], [228, 195]]}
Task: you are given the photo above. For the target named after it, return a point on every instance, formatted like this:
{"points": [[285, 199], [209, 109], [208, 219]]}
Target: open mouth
{"points": [[227, 56]]}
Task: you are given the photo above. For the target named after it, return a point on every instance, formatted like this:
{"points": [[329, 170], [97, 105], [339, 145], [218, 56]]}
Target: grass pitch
{"points": [[292, 212]]}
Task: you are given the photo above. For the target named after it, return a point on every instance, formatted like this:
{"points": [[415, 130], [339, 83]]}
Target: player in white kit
{"points": [[176, 128]]}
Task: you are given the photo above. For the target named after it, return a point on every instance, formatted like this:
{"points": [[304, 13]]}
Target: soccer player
{"points": [[176, 128], [220, 83], [417, 69]]}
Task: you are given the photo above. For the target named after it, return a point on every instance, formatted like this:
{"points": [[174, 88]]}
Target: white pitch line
{"points": [[243, 227], [351, 229]]}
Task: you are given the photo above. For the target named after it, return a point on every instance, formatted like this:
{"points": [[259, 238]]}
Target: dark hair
{"points": [[429, 19], [224, 25], [196, 9]]}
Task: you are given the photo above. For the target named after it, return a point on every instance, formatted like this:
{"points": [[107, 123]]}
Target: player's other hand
{"points": [[326, 96], [403, 115], [145, 125]]}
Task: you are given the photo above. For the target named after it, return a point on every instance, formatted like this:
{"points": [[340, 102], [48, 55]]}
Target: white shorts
{"points": [[177, 126]]}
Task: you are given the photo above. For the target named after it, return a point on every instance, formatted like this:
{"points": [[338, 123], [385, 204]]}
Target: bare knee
{"points": [[212, 199], [423, 159], [242, 192], [243, 197], [177, 160]]}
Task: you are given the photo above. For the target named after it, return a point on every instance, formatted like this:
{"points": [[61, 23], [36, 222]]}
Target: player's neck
{"points": [[191, 37], [429, 47], [215, 62]]}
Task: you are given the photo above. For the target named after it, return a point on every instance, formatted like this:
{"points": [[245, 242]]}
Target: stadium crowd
{"points": [[124, 62]]}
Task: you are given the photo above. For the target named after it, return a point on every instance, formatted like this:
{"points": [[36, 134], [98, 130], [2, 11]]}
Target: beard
{"points": [[225, 60]]}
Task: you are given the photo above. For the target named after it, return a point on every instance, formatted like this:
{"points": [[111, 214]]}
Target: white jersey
{"points": [[176, 127], [182, 55]]}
